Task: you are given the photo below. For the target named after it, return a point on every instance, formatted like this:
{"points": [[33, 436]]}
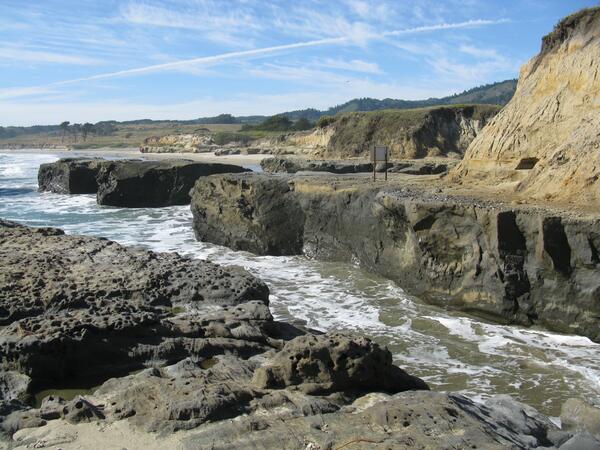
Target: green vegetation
{"points": [[325, 121], [173, 311], [280, 122], [229, 128], [356, 132], [494, 94], [225, 137]]}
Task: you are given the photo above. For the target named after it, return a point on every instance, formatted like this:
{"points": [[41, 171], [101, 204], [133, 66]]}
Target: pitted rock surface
{"points": [[332, 363]]}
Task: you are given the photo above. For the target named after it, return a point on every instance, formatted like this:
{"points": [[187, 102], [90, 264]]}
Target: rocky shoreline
{"points": [[225, 374], [508, 263], [129, 183]]}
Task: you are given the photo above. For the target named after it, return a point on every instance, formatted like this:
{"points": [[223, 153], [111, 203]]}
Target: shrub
{"points": [[325, 121], [225, 137]]}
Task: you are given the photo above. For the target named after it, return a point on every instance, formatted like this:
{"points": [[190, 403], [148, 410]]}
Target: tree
{"points": [[86, 129], [325, 121], [105, 128], [303, 124], [65, 128], [75, 129]]}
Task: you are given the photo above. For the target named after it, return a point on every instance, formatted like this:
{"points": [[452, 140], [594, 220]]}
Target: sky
{"points": [[90, 60]]}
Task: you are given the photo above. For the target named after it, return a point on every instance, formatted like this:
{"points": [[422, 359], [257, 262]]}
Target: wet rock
{"points": [[581, 441], [153, 183], [334, 362], [578, 416], [264, 219], [128, 183], [70, 175], [515, 265]]}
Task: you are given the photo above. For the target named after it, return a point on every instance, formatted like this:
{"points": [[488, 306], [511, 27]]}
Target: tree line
{"points": [[84, 130]]}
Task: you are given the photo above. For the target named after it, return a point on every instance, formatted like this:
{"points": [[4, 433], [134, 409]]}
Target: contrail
{"points": [[18, 92]]}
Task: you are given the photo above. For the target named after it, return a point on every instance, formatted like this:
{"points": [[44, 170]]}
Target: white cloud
{"points": [[482, 53], [23, 91], [14, 54], [218, 24], [259, 52]]}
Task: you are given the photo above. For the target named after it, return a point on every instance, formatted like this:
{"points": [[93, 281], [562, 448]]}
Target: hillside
{"points": [[494, 94], [545, 144], [133, 132], [409, 133]]}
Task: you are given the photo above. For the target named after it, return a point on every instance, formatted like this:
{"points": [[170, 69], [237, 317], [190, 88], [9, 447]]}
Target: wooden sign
{"points": [[380, 153]]}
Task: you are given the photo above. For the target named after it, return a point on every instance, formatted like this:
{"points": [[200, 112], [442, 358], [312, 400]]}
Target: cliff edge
{"points": [[545, 144]]}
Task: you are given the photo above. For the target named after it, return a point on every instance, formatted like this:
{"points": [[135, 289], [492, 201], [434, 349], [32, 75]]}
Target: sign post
{"points": [[380, 153]]}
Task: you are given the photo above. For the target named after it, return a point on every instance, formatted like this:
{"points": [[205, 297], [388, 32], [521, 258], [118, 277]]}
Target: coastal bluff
{"points": [[545, 143], [514, 264]]}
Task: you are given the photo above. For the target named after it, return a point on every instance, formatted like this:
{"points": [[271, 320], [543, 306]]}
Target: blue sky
{"points": [[180, 59]]}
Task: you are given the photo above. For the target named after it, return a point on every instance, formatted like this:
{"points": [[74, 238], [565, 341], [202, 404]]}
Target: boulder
{"points": [[139, 184], [334, 362], [70, 175], [578, 416], [74, 306]]}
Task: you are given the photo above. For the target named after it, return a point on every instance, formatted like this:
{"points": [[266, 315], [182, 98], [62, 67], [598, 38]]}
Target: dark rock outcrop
{"points": [[516, 265], [129, 183], [154, 183], [293, 165], [80, 309], [212, 352], [70, 175], [72, 306]]}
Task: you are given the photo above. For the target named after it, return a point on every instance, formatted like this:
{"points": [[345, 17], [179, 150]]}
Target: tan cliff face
{"points": [[545, 144], [185, 143]]}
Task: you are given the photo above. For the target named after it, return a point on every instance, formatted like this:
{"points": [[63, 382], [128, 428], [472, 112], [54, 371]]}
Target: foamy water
{"points": [[451, 352]]}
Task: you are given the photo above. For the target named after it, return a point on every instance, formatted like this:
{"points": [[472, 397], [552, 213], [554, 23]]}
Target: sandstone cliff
{"points": [[178, 143], [545, 144]]}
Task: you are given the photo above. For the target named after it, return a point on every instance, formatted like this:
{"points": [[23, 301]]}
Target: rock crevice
{"points": [[516, 265]]}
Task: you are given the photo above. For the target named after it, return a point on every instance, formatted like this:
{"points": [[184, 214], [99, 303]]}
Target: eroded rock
{"points": [[154, 183], [334, 362], [514, 264], [129, 183], [70, 175]]}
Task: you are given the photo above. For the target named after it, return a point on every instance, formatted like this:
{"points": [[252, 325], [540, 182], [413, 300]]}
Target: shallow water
{"points": [[451, 352]]}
